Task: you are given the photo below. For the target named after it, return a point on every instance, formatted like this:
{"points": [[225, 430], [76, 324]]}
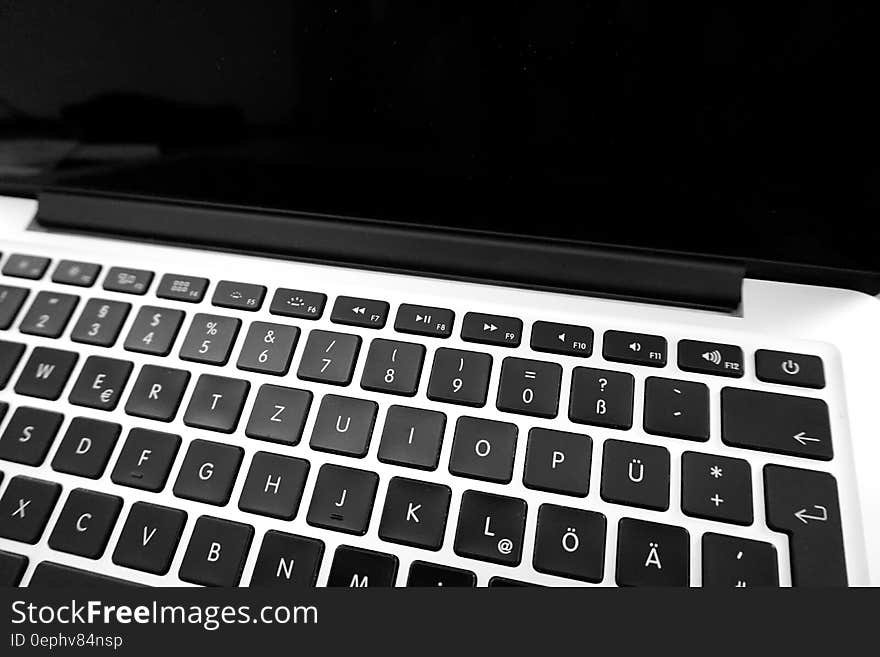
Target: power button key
{"points": [[789, 368]]}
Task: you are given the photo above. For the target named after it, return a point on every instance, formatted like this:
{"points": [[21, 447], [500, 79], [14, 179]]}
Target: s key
{"points": [[530, 387], [601, 398]]}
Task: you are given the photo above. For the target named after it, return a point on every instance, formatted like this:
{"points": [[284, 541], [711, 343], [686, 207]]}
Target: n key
{"points": [[25, 508], [46, 372], [287, 560]]}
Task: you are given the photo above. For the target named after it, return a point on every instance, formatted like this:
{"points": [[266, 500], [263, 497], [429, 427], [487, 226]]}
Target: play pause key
{"points": [[566, 339]]}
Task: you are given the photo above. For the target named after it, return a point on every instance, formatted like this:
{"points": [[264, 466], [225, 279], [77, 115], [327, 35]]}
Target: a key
{"points": [[393, 367], [558, 462], [601, 398], [344, 425], [216, 403], [490, 528], [12, 567], [355, 567], [85, 523], [710, 358], [100, 383], [635, 474], [343, 499], [678, 409], [29, 435], [565, 339], [460, 377], [634, 348], [789, 369], [208, 472], [652, 554], [298, 303], [530, 387], [492, 329], [127, 280], [424, 320], [353, 311], [279, 414], [716, 487], [216, 552], [157, 393], [733, 562], [412, 437], [100, 322], [46, 372], [154, 330], [329, 357], [11, 300], [210, 339], [86, 447], [74, 272], [10, 354], [25, 508], [149, 538], [268, 348], [146, 459], [287, 560], [570, 543], [50, 575], [274, 485], [26, 266], [182, 288], [240, 296], [49, 314], [422, 573], [483, 449], [415, 513]]}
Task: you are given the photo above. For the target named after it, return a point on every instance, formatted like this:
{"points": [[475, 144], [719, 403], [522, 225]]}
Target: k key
{"points": [[415, 513], [530, 387]]}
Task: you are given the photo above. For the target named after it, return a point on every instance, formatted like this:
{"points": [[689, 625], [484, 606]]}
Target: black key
{"points": [[216, 403], [412, 437], [86, 447], [415, 513], [100, 322], [790, 369], [12, 567], [634, 348], [679, 409], [49, 314], [25, 508], [29, 435], [804, 505], [154, 330], [216, 553], [770, 422], [570, 543], [344, 425], [716, 487], [241, 296], [422, 573], [127, 280], [48, 574], [287, 560], [10, 354], [558, 462], [208, 472], [601, 398], [492, 329], [490, 528], [4, 407], [530, 387], [74, 272], [393, 367], [298, 303], [210, 339], [424, 320], [354, 567], [11, 301], [146, 459], [460, 377], [710, 358], [182, 288], [354, 311], [635, 474], [329, 357], [733, 562], [157, 393], [566, 339], [279, 414], [100, 383], [506, 582], [343, 499], [46, 372], [149, 538], [483, 449], [26, 266], [651, 554], [85, 523], [274, 485], [268, 348]]}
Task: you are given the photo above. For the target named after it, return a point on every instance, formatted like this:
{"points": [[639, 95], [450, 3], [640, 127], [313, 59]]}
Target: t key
{"points": [[601, 398], [530, 387], [460, 377]]}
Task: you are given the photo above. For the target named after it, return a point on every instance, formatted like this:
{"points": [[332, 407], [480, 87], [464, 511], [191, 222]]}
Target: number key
{"points": [[268, 348], [530, 387], [329, 357], [48, 314], [154, 330], [100, 322], [210, 339], [393, 367], [460, 377]]}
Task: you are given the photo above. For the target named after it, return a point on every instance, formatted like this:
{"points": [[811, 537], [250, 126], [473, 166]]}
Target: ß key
{"points": [[25, 508], [460, 377], [530, 387], [393, 367], [85, 523], [343, 499], [329, 357], [208, 472], [48, 314], [287, 560], [355, 567], [100, 322], [216, 553], [268, 348], [210, 339], [154, 330], [652, 554], [490, 528], [601, 398], [216, 403], [29, 435], [46, 372], [149, 538]]}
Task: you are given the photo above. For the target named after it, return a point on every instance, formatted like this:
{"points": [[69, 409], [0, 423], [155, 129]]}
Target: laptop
{"points": [[401, 295]]}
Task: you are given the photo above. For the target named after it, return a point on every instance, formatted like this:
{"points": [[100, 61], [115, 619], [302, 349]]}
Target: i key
{"points": [[100, 322], [216, 553], [393, 367], [149, 538], [530, 387], [85, 523], [412, 437], [287, 560], [25, 508], [268, 348], [154, 330], [601, 398], [460, 377], [48, 314], [329, 357]]}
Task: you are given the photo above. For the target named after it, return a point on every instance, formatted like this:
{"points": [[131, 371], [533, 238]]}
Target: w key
{"points": [[530, 387], [46, 372]]}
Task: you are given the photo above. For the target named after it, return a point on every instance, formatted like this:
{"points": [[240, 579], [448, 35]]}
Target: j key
{"points": [[216, 553], [566, 339], [424, 320], [182, 288], [274, 485], [100, 322], [154, 330], [25, 508], [635, 474], [26, 266], [679, 409], [48, 314], [29, 435], [790, 369], [268, 348], [287, 560], [492, 329], [85, 523], [733, 562], [129, 281], [460, 377], [86, 447], [415, 513], [329, 357], [412, 437], [241, 296], [354, 567], [422, 573], [100, 383], [73, 272], [483, 449], [530, 387], [490, 528], [157, 393], [652, 554], [393, 367], [279, 414], [210, 339], [11, 300], [570, 543], [298, 303], [601, 398], [343, 499], [769, 422], [344, 425], [208, 472], [353, 311], [48, 574], [804, 505], [46, 372], [146, 459], [716, 487], [12, 567], [710, 358], [149, 538], [634, 348], [10, 354], [558, 462], [216, 403]]}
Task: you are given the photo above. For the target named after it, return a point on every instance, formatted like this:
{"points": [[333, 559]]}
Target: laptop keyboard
{"points": [[366, 442]]}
